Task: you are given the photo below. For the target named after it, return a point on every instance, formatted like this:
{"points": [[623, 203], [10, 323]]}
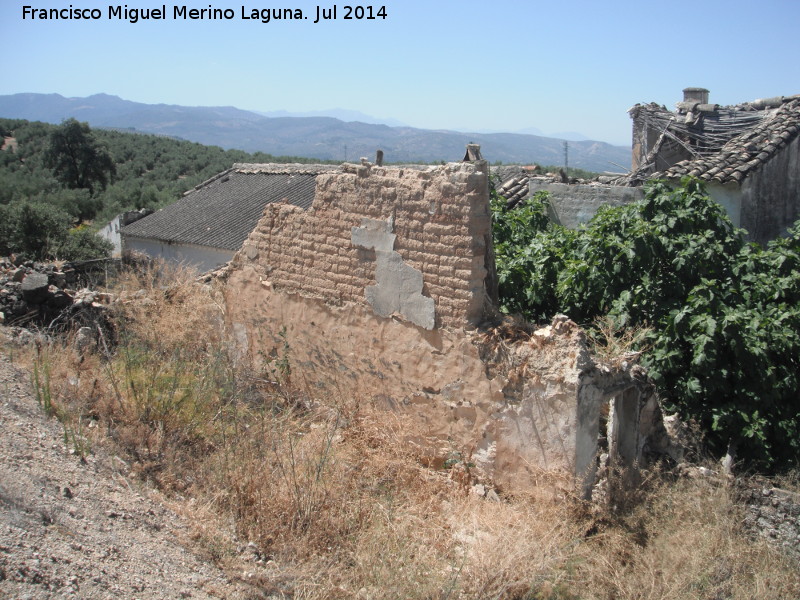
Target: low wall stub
{"points": [[517, 410], [572, 205], [512, 430]]}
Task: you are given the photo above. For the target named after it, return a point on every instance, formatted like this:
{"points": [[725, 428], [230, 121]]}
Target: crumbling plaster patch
{"points": [[399, 286]]}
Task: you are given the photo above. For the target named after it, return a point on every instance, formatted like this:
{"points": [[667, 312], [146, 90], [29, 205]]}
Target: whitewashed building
{"points": [[209, 224]]}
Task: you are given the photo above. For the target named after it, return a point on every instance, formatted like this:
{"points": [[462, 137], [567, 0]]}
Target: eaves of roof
{"points": [[745, 152]]}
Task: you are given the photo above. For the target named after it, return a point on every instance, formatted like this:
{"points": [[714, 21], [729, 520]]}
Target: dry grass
{"points": [[337, 505], [610, 341], [685, 542]]}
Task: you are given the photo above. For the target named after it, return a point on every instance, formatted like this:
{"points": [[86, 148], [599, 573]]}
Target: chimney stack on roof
{"points": [[695, 94], [473, 153]]}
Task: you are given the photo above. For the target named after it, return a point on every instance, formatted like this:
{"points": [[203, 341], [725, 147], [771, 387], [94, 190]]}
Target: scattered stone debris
{"points": [[771, 513], [49, 299]]}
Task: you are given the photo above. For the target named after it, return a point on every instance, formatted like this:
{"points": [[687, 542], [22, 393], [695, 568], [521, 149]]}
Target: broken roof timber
{"points": [[726, 143]]}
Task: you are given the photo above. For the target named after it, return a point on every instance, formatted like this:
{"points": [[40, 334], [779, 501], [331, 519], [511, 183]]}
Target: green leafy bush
{"points": [[82, 243], [724, 314], [530, 252], [41, 231]]}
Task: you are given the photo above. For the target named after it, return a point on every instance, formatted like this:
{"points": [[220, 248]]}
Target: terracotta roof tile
{"points": [[746, 151], [726, 141]]}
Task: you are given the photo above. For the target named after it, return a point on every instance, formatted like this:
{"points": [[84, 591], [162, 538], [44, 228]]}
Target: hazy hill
{"points": [[320, 137], [337, 113]]}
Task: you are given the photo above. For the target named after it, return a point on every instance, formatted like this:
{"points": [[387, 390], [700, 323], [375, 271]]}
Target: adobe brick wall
{"points": [[440, 220], [373, 294]]}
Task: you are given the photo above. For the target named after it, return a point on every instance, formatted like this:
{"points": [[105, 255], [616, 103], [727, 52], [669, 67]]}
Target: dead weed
{"points": [[336, 501]]}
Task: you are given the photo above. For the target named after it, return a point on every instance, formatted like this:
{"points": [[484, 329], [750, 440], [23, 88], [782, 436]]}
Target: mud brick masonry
{"points": [[403, 235], [384, 288]]}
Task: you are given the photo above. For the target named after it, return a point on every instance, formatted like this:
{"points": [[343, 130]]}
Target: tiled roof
{"points": [[222, 212], [515, 189], [513, 182], [733, 141]]}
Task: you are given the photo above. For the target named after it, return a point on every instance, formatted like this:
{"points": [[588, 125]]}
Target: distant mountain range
{"points": [[337, 113], [309, 136]]}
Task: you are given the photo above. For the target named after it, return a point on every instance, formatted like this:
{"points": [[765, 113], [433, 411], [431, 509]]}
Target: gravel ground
{"points": [[72, 529]]}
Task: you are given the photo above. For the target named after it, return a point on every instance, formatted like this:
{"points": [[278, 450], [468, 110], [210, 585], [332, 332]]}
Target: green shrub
{"points": [[82, 243], [41, 231], [530, 252], [724, 315]]}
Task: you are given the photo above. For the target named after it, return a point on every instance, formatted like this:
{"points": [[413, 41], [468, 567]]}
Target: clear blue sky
{"points": [[501, 66]]}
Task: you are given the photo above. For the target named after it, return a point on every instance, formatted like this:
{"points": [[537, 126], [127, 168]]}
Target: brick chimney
{"points": [[695, 94]]}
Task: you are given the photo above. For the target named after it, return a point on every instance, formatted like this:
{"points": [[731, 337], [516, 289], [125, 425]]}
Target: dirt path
{"points": [[83, 530]]}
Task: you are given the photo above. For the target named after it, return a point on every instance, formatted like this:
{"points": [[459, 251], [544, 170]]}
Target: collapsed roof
{"points": [[709, 141]]}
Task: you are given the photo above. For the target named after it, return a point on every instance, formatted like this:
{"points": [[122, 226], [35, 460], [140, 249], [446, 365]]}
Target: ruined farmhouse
{"points": [[747, 154], [382, 284], [381, 281], [206, 227]]}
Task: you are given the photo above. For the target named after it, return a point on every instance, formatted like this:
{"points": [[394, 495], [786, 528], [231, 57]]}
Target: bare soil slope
{"points": [[84, 530]]}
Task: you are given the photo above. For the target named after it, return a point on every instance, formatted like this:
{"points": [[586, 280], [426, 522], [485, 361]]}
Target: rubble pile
{"points": [[48, 297], [772, 513]]}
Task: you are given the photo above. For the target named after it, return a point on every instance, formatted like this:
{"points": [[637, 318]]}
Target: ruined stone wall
{"points": [[575, 204], [771, 513], [374, 294], [410, 243]]}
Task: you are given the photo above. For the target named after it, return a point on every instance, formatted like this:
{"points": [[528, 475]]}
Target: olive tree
{"points": [[77, 158]]}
